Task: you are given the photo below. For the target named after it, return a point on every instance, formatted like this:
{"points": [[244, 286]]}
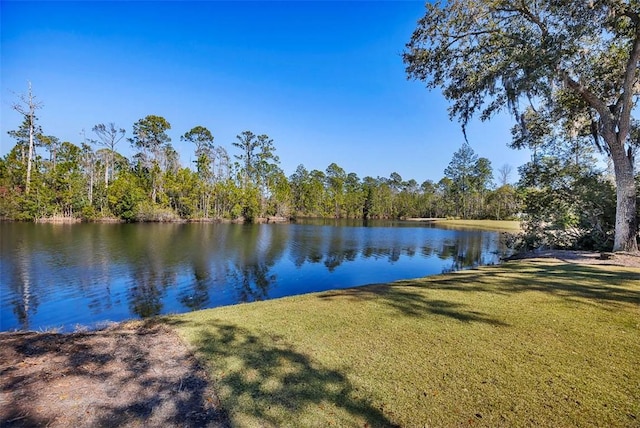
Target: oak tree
{"points": [[577, 59]]}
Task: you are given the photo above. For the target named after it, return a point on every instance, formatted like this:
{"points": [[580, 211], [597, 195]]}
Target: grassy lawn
{"points": [[528, 343], [499, 225]]}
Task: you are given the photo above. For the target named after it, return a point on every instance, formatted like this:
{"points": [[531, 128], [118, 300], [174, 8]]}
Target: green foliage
{"points": [[249, 203], [281, 198], [258, 166], [148, 212], [66, 182], [308, 192], [201, 137], [336, 178], [257, 157], [354, 196], [13, 169], [487, 55], [206, 156], [124, 196], [150, 134], [470, 178], [503, 203], [182, 190], [566, 206], [154, 151], [89, 213]]}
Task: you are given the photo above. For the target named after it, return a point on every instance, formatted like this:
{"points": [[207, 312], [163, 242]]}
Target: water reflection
{"points": [[197, 296], [253, 253], [23, 302], [60, 276]]}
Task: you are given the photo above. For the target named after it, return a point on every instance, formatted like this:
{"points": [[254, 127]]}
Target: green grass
{"points": [[498, 225], [528, 343]]}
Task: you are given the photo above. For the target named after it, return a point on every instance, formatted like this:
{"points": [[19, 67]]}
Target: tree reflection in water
{"points": [[197, 296], [155, 269], [258, 249], [464, 253], [24, 301]]}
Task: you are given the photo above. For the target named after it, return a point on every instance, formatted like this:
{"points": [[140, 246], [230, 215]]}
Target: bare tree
{"points": [[27, 107], [504, 172]]}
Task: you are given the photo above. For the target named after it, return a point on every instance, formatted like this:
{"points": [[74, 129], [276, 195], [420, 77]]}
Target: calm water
{"points": [[64, 276]]}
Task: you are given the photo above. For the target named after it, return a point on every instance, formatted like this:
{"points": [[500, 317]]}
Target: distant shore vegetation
{"points": [[51, 180], [561, 197]]}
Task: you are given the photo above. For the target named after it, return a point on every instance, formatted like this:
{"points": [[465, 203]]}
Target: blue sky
{"points": [[325, 80]]}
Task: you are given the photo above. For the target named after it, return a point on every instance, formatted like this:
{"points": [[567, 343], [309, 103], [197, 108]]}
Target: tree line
{"points": [[42, 177]]}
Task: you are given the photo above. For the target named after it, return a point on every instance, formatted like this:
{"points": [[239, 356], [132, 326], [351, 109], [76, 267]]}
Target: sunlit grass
{"points": [[497, 225], [535, 343]]}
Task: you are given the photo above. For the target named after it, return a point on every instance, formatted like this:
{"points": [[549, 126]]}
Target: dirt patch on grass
{"points": [[132, 375]]}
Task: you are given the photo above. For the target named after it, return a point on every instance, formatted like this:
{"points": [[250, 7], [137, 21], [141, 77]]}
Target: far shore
{"points": [[115, 220], [497, 225]]}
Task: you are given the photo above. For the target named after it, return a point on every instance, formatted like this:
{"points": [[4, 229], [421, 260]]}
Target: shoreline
{"points": [[113, 220], [497, 225]]}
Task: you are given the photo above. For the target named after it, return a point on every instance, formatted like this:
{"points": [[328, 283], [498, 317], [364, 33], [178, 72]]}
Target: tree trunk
{"points": [[91, 186], [626, 226], [30, 156], [106, 173]]}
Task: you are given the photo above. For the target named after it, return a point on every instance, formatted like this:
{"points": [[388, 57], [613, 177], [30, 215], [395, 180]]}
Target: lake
{"points": [[86, 275]]}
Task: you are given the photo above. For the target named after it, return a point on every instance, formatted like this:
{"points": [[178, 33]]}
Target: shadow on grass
{"points": [[262, 380], [108, 378], [569, 281], [412, 304], [574, 283]]}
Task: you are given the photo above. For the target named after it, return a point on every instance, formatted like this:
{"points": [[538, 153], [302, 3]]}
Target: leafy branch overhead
{"points": [[488, 55]]}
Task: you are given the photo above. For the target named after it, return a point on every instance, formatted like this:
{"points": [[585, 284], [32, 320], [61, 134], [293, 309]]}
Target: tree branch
{"points": [[632, 14], [623, 111], [524, 11], [603, 110]]}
